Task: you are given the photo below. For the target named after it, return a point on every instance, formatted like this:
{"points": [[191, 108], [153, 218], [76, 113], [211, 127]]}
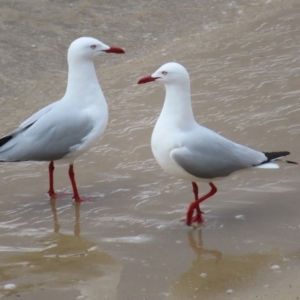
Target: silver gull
{"points": [[189, 151], [66, 128]]}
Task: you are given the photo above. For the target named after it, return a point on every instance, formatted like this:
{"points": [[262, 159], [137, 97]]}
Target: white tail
{"points": [[268, 166]]}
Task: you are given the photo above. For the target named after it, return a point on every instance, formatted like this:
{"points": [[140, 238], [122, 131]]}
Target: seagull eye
{"points": [[93, 46], [164, 72]]}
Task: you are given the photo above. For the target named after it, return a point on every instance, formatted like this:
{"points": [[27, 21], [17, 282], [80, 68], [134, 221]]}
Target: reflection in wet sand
{"points": [[67, 262], [213, 275]]}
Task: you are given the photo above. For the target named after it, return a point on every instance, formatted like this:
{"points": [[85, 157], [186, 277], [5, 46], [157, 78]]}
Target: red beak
{"points": [[116, 50], [147, 79]]}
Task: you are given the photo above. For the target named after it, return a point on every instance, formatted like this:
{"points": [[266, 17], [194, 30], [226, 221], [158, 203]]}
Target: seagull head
{"points": [[169, 73], [87, 48]]}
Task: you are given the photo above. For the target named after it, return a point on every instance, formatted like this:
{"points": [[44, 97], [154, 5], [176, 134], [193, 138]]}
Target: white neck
{"points": [[82, 80], [177, 107]]}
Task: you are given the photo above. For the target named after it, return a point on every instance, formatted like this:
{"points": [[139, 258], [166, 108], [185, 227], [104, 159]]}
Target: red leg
{"points": [[76, 196], [196, 205], [195, 190], [51, 192], [199, 212]]}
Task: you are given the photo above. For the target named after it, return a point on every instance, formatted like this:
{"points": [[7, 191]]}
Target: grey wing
{"points": [[28, 122], [213, 156], [38, 115], [49, 138]]}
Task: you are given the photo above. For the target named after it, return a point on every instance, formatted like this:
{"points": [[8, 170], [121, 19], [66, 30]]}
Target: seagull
{"points": [[190, 151], [68, 127]]}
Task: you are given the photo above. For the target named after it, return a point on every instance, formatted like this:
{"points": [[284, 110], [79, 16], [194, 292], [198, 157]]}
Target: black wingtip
{"points": [[5, 139], [275, 155], [291, 162]]}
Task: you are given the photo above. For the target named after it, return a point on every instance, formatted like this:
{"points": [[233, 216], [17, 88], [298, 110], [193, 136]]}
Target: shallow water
{"points": [[130, 241]]}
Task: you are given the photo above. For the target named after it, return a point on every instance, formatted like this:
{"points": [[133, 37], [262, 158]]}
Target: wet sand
{"points": [[130, 242]]}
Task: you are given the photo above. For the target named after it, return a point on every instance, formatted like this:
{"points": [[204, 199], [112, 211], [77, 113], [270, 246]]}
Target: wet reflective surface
{"points": [[130, 241]]}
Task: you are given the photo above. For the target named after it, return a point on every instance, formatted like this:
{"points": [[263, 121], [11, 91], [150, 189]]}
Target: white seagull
{"points": [[189, 151], [66, 128]]}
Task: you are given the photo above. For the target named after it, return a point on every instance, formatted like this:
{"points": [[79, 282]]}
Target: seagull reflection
{"points": [[55, 218], [198, 247], [62, 262], [54, 212], [212, 273]]}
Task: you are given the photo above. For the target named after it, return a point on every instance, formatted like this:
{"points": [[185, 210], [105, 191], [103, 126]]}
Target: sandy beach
{"points": [[130, 242]]}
